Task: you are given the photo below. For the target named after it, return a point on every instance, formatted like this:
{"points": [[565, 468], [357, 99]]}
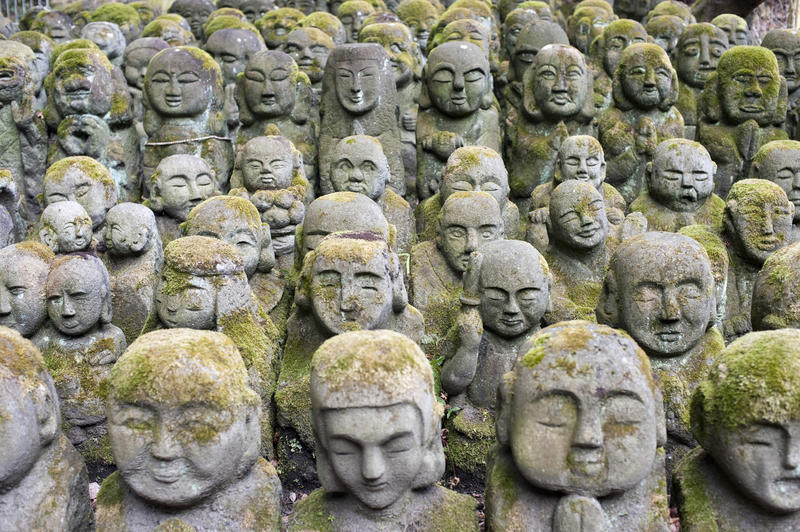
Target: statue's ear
{"points": [[49, 238], [588, 111], [672, 97], [302, 292], [105, 306], [710, 103], [505, 393], [783, 99], [266, 259], [661, 419], [620, 100], [424, 98], [155, 202], [697, 417], [648, 173], [245, 116], [302, 102], [607, 310], [48, 412], [488, 98], [727, 220], [252, 443], [399, 294]]}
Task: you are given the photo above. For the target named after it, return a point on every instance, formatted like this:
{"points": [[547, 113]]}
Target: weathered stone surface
{"points": [[776, 291]]}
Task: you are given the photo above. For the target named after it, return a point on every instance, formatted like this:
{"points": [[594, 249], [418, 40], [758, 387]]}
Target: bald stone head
{"points": [[779, 161], [473, 169], [65, 227], [681, 176], [359, 165], [578, 216], [466, 221], [581, 158]]}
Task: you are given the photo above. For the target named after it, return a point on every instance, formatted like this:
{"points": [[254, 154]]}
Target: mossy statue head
{"points": [[779, 161], [273, 86], [573, 101], [776, 294], [606, 50], [645, 79]]}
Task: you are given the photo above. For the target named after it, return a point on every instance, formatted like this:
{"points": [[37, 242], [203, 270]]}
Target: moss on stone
{"points": [[469, 441], [95, 170], [225, 22], [689, 488], [203, 256], [112, 491], [119, 14], [312, 513]]}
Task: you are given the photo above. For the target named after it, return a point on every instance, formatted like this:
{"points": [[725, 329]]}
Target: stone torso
{"points": [[660, 218]]}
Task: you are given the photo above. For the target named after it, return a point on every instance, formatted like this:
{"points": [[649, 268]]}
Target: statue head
{"points": [[758, 218], [735, 27], [182, 419], [745, 413], [29, 413], [352, 14], [698, 51], [16, 82], [78, 292], [588, 23], [80, 83], [559, 86], [659, 288], [145, 11], [169, 31], [464, 30], [65, 227], [310, 48], [515, 22], [645, 79], [184, 82], [581, 158], [672, 8], [530, 41], [577, 216], [606, 50], [42, 47], [180, 183], [665, 31], [83, 180], [236, 221], [358, 164], [202, 281], [272, 87], [232, 48], [23, 272], [353, 412], [131, 230], [255, 9], [195, 12], [341, 211], [785, 44], [276, 25], [137, 57], [514, 282], [474, 169], [466, 221], [776, 294], [123, 15], [55, 24], [268, 163], [420, 16], [592, 429], [457, 80], [681, 175], [779, 161], [746, 86], [633, 9], [352, 281], [107, 36], [405, 56], [327, 23], [359, 72]]}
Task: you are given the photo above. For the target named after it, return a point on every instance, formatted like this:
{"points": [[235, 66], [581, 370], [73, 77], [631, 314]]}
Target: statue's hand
{"points": [[445, 143], [409, 121], [457, 372], [539, 216], [559, 135], [23, 112], [646, 138]]}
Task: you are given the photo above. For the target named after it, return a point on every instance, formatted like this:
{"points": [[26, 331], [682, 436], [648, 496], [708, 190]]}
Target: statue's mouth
{"points": [[173, 101], [167, 473], [669, 336], [269, 99], [561, 99], [751, 108], [511, 323], [588, 233], [357, 99], [769, 243], [79, 93], [356, 186], [459, 100], [70, 324], [689, 196]]}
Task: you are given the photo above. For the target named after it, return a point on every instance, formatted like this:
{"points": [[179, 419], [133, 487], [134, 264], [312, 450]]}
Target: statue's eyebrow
{"points": [[613, 394]]}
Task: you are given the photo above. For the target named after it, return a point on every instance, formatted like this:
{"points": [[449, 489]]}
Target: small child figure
{"points": [[66, 228]]}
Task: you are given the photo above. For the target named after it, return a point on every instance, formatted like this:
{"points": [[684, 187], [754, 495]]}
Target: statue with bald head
{"points": [[379, 450], [785, 44], [185, 432], [65, 228], [580, 442], [43, 480], [745, 416], [605, 53], [587, 23], [23, 272], [779, 161], [776, 291]]}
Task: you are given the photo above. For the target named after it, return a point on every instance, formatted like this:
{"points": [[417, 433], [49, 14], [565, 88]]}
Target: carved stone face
{"points": [[617, 38], [749, 90], [255, 9], [761, 225], [125, 232], [666, 306], [269, 88], [76, 185], [107, 36], [581, 158], [266, 165], [359, 165], [350, 294], [75, 297], [357, 84], [591, 429], [457, 79], [42, 48], [135, 66], [375, 451], [420, 22], [735, 27], [22, 299], [396, 40], [310, 49], [646, 76], [466, 224], [775, 301], [514, 290], [83, 86], [56, 25], [465, 30], [487, 174], [183, 182], [586, 24], [67, 226], [578, 218], [515, 22], [196, 14], [276, 27], [231, 48], [785, 44], [20, 434], [782, 166], [177, 84], [352, 22], [560, 84], [191, 305], [665, 30], [698, 53], [12, 79], [532, 39], [683, 176]]}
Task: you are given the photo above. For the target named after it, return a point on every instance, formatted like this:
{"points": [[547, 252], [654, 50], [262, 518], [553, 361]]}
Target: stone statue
{"points": [[634, 9], [579, 440], [672, 8], [179, 183], [184, 100], [352, 14], [136, 58], [660, 289], [169, 31], [123, 15], [745, 417], [470, 169], [55, 24], [680, 185], [65, 228], [696, 57], [515, 23], [185, 436], [23, 272], [85, 181], [379, 450], [42, 47], [255, 9], [420, 16], [358, 164], [779, 161], [556, 103], [360, 98], [506, 294], [605, 54], [134, 261], [108, 37], [665, 31], [587, 23], [776, 290], [735, 27], [327, 23], [350, 281], [273, 91], [642, 116], [741, 104], [277, 24], [43, 481], [456, 109], [310, 48], [80, 344], [89, 113], [195, 12], [718, 255], [758, 222], [785, 44]]}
